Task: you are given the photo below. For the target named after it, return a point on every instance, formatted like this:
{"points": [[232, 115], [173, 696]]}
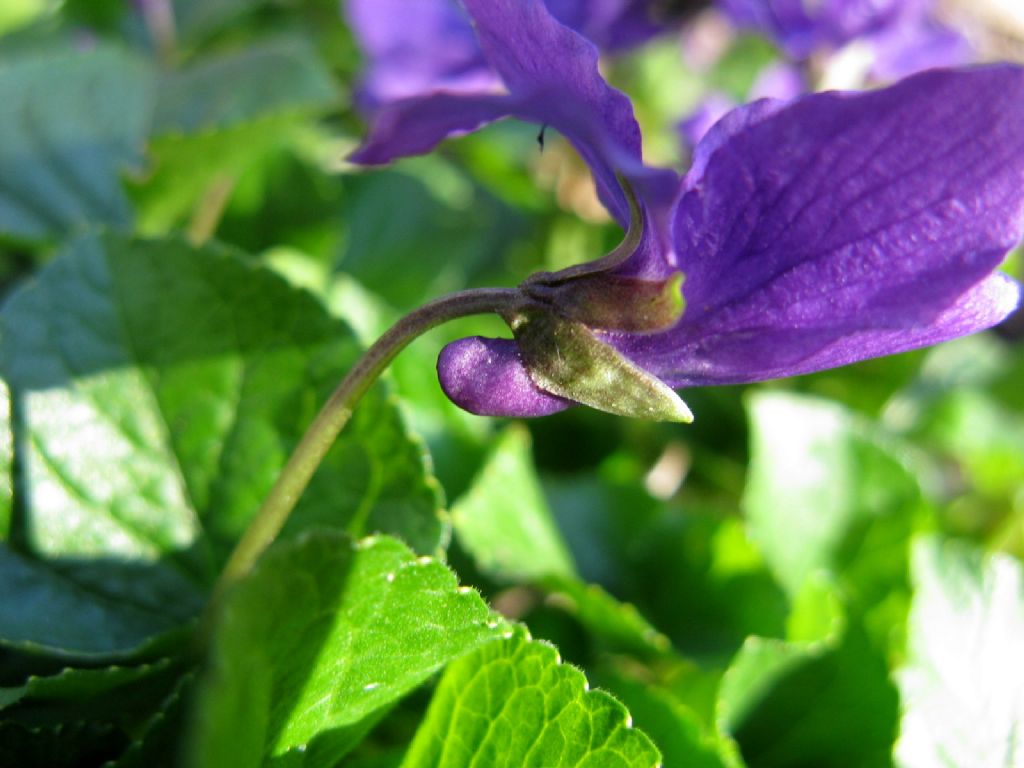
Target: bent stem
{"points": [[320, 436]]}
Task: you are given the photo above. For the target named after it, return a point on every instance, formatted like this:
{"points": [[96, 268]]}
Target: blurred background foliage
{"points": [[801, 577]]}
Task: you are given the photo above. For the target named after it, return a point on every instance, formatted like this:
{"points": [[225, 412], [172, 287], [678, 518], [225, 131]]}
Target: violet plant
{"points": [[215, 554]]}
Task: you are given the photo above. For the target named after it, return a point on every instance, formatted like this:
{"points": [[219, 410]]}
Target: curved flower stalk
{"points": [[806, 235], [897, 37]]}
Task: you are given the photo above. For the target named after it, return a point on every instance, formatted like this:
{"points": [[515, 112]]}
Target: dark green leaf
{"points": [[101, 712], [196, 18], [675, 728], [513, 703], [513, 539], [319, 641], [827, 492], [77, 684], [72, 123], [822, 702], [44, 610], [6, 461]]}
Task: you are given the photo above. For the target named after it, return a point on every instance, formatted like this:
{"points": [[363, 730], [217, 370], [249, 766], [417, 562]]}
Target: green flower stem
{"points": [[335, 414]]}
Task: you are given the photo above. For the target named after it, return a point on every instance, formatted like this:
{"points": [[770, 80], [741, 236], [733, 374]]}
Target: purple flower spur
{"points": [[807, 234]]}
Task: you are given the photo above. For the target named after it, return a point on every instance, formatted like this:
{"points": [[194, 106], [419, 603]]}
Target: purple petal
{"points": [[415, 126], [843, 226], [552, 74], [487, 377]]}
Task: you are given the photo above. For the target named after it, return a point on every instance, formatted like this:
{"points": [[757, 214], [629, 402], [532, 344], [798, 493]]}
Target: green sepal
{"points": [[565, 358], [615, 302]]}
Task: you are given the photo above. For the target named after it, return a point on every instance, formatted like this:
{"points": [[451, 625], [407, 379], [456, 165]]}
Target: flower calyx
{"points": [[554, 327]]}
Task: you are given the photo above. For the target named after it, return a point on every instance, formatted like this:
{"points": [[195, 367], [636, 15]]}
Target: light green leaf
{"points": [[963, 685], [513, 703], [319, 641], [504, 521], [72, 123], [15, 13], [163, 388], [819, 470]]}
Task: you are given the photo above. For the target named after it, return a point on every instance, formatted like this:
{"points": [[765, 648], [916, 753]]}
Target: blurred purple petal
{"points": [[903, 35], [779, 80], [612, 25], [416, 48], [909, 48], [801, 28]]}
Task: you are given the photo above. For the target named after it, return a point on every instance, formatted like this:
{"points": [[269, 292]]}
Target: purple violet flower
{"points": [[807, 234]]}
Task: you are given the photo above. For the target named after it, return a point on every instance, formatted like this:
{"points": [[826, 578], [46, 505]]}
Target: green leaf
{"points": [[71, 684], [162, 389], [283, 75], [45, 610], [513, 538], [18, 12], [196, 18], [220, 116], [6, 462], [818, 469], [675, 728], [319, 641], [421, 231], [100, 712], [826, 703], [617, 623], [157, 741], [963, 681], [504, 521], [71, 124], [513, 703]]}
